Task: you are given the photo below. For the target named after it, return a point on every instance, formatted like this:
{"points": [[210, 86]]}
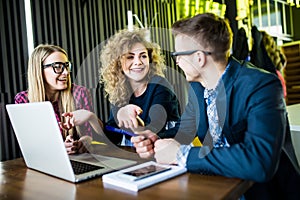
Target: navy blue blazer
{"points": [[252, 114]]}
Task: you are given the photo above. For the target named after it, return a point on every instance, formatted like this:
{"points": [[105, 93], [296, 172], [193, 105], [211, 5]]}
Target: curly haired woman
{"points": [[132, 71], [276, 56]]}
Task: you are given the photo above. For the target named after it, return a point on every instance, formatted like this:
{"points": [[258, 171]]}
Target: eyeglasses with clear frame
{"points": [[186, 53], [59, 67]]}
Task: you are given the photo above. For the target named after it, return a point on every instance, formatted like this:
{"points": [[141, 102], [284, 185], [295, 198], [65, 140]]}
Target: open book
{"points": [[141, 176]]}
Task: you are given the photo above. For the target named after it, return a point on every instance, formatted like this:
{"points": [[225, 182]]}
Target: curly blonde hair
{"points": [[115, 82], [277, 57]]}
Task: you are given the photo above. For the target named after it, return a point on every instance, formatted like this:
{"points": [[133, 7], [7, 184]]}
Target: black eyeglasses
{"points": [[185, 53], [59, 67]]}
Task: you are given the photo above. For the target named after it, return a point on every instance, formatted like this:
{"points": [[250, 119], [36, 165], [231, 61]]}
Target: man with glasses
{"points": [[235, 109]]}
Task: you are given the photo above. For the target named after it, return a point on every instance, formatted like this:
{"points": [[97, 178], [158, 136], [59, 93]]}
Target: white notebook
{"points": [[141, 176]]}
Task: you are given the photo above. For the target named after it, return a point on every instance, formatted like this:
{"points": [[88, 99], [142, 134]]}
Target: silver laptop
{"points": [[43, 149]]}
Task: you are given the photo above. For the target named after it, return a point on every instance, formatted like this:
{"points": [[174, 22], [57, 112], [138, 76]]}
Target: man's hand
{"points": [[144, 143], [166, 151]]}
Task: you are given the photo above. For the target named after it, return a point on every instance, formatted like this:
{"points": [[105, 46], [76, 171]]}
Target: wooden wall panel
{"points": [[13, 56]]}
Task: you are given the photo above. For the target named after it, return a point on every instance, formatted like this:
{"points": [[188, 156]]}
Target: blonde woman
{"points": [[132, 71], [277, 58], [49, 80]]}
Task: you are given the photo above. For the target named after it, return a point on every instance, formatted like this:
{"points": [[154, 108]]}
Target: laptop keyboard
{"points": [[80, 168]]}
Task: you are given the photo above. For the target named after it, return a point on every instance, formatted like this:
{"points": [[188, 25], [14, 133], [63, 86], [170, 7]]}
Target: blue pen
{"points": [[121, 131]]}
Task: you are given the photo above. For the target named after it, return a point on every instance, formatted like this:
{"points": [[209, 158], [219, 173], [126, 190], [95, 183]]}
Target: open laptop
{"points": [[43, 149]]}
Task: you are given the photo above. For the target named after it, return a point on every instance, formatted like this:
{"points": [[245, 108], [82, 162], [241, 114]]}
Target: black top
{"points": [[159, 104]]}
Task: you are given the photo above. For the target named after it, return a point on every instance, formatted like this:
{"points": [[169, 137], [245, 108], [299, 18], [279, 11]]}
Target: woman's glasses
{"points": [[59, 67], [185, 53]]}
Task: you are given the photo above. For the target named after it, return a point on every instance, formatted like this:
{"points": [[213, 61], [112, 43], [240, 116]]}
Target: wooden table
{"points": [[19, 182]]}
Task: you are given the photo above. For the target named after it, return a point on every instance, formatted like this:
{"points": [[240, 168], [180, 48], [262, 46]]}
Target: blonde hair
{"points": [[115, 82], [277, 57], [36, 87]]}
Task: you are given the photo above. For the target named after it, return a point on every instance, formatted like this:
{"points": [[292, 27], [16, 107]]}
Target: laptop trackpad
{"points": [[110, 162], [89, 158]]}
